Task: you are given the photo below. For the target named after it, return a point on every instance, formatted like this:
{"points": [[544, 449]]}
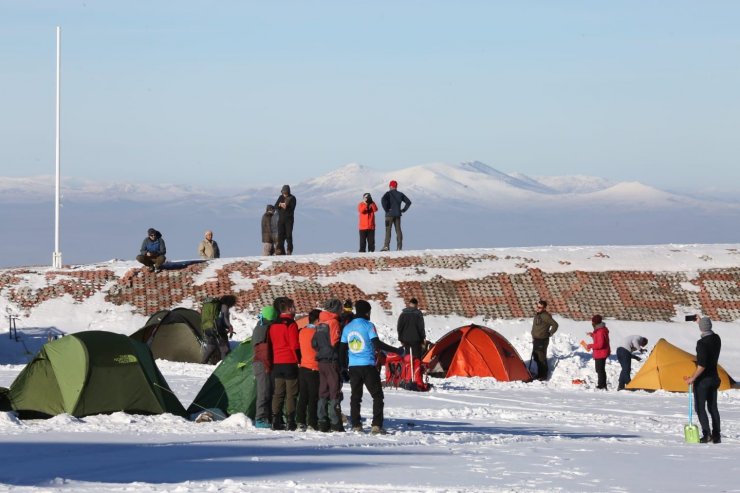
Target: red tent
{"points": [[475, 351]]}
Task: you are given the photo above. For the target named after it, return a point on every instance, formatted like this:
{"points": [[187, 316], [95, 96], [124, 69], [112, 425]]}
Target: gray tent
{"points": [[173, 335]]}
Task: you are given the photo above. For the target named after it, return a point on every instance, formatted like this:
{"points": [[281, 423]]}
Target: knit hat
{"points": [[348, 305], [362, 308], [285, 189], [268, 313], [333, 306], [151, 231], [393, 184], [596, 319], [270, 208], [705, 324]]}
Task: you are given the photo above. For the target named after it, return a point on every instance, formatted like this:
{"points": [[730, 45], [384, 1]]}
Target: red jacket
{"points": [[600, 346], [367, 215], [284, 340]]}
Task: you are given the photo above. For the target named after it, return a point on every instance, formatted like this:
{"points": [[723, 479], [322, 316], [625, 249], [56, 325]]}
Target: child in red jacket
{"points": [[600, 348]]}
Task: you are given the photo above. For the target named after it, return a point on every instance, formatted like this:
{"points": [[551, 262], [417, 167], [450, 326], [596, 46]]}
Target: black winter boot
{"points": [[716, 437], [292, 426], [277, 423]]}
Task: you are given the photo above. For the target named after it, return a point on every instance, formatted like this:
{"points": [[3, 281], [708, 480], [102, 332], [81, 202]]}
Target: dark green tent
{"points": [[92, 372], [231, 387], [173, 335]]}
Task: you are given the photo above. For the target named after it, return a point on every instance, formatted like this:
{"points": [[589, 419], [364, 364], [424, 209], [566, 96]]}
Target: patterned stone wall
{"points": [[439, 282]]}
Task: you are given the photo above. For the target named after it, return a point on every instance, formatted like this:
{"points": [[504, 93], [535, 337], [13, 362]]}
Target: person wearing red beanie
{"points": [[394, 204]]}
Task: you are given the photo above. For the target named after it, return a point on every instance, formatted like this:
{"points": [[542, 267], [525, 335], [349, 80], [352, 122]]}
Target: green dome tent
{"points": [[91, 372], [173, 335], [231, 387]]}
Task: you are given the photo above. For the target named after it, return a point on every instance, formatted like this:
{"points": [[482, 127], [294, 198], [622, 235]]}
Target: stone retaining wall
{"points": [[439, 282]]}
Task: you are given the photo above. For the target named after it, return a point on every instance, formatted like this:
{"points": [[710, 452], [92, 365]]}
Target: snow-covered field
{"points": [[463, 435]]}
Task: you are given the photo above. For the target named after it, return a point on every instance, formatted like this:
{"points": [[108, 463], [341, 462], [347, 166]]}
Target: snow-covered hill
{"points": [[454, 206]]}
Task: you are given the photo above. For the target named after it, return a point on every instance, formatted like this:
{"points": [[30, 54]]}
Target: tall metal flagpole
{"points": [[57, 258]]}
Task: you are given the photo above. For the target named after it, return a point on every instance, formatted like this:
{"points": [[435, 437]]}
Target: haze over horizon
{"points": [[258, 93]]}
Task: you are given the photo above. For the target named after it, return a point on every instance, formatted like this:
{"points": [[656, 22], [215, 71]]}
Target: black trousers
{"points": [[369, 377], [285, 234], [600, 365], [705, 397], [625, 360], [539, 354], [367, 239], [308, 397], [413, 348]]}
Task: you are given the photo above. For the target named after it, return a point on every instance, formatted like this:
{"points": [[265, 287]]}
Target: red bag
{"points": [[398, 373]]}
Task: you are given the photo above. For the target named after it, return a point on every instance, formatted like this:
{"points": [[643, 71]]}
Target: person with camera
{"points": [[367, 209], [625, 355], [706, 379]]}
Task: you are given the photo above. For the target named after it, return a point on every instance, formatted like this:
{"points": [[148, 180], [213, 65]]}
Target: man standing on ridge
{"points": [[285, 205], [268, 235], [392, 203], [208, 248], [543, 327]]}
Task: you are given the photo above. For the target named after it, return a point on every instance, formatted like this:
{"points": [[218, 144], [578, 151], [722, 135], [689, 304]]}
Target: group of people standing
{"points": [[277, 221], [277, 228], [705, 379], [299, 371]]}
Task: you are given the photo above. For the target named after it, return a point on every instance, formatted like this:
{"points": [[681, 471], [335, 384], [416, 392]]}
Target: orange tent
{"points": [[475, 351], [665, 368]]}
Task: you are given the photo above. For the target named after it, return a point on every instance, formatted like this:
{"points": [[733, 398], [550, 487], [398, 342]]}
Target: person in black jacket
{"points": [[285, 205], [410, 327], [706, 380], [394, 204]]}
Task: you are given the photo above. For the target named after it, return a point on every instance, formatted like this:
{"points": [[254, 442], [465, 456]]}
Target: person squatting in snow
{"points": [[152, 251]]}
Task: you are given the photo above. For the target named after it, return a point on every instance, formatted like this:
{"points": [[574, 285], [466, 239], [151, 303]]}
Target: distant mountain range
{"points": [[454, 206]]}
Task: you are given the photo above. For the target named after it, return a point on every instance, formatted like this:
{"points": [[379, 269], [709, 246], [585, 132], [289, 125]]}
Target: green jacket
{"points": [[543, 325]]}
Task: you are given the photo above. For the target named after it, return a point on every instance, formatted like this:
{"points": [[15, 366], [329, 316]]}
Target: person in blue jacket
{"points": [[394, 204], [358, 345], [153, 250]]}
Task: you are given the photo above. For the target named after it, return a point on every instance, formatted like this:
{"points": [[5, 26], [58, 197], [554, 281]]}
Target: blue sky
{"points": [[249, 93]]}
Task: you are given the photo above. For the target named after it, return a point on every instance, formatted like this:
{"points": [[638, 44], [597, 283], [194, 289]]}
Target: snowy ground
{"points": [[463, 435]]}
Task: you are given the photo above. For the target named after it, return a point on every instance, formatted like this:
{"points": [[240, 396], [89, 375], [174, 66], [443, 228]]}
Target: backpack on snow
{"points": [[209, 313], [399, 373]]}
